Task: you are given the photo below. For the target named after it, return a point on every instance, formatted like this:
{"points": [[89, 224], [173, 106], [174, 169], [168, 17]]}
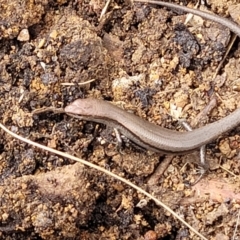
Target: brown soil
{"points": [[142, 58]]}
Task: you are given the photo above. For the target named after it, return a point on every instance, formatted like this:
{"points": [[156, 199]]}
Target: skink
{"points": [[148, 135]]}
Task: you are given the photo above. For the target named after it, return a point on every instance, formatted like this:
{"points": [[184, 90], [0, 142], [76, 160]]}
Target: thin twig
{"points": [[48, 109], [237, 223], [79, 84], [225, 55], [66, 155], [160, 170], [104, 10]]}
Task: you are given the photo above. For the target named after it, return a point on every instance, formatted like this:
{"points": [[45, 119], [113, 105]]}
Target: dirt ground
{"points": [[145, 60]]}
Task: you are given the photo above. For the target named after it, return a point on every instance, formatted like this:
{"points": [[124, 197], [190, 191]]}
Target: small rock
{"points": [[23, 36]]}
